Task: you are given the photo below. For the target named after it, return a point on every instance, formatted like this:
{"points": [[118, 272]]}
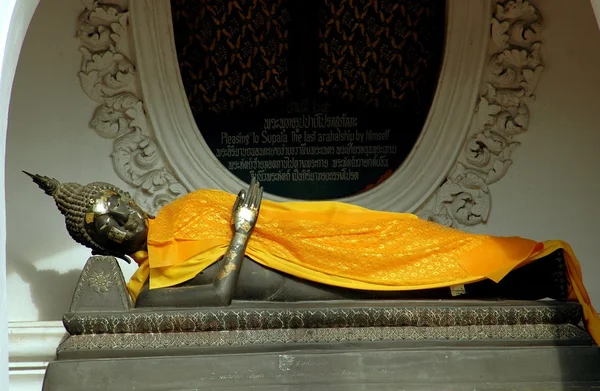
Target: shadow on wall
{"points": [[51, 291], [39, 250]]}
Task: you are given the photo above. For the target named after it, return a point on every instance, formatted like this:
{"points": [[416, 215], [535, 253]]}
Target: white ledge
{"points": [[425, 168], [32, 345]]}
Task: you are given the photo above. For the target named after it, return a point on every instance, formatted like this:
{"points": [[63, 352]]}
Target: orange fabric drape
{"points": [[339, 244]]}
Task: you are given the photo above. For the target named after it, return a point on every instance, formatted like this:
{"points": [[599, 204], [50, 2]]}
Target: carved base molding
{"points": [[490, 72], [429, 344], [32, 346]]}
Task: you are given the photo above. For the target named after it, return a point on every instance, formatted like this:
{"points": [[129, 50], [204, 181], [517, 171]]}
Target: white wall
{"points": [[6, 77], [48, 134], [548, 193]]}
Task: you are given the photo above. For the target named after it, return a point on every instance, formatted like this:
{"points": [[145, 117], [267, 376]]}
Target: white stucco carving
{"points": [[510, 79], [108, 76], [481, 105]]}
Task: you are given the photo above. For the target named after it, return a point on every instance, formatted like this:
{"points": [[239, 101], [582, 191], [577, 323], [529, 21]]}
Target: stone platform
{"points": [[392, 345], [346, 366], [380, 345]]}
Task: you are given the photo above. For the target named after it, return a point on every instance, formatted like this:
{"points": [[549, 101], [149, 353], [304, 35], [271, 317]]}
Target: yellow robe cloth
{"points": [[339, 244]]}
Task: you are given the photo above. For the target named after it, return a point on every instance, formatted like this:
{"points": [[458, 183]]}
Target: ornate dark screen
{"points": [[318, 99]]}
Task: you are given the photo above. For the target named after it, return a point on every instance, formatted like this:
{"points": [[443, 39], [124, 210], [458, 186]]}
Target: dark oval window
{"points": [[318, 99]]}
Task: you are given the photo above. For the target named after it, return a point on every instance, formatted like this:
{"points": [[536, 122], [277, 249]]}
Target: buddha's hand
{"points": [[246, 208]]}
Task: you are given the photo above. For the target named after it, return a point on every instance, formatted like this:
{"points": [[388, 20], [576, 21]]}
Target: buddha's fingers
{"points": [[238, 201], [259, 199], [253, 199], [252, 190]]}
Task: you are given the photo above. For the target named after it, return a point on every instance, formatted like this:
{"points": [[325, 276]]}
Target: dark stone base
{"points": [[338, 345], [345, 366]]}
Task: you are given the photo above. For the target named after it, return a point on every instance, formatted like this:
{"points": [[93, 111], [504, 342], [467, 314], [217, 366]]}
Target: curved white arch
{"points": [[15, 16], [462, 150], [425, 168]]}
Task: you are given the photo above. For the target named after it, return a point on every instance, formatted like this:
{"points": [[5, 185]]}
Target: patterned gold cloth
{"points": [[339, 244]]}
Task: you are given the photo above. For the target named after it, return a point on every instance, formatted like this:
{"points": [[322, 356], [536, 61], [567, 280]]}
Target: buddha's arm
{"points": [[220, 291], [230, 265], [217, 294], [244, 217]]}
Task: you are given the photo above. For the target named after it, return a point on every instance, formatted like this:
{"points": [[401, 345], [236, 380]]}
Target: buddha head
{"points": [[99, 216]]}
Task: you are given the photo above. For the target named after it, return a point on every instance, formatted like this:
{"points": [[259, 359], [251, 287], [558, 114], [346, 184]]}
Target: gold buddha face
{"points": [[116, 222]]}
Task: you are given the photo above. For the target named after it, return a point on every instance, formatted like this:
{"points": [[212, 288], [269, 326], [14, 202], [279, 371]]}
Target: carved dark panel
{"points": [[319, 98], [248, 316], [101, 287], [500, 333]]}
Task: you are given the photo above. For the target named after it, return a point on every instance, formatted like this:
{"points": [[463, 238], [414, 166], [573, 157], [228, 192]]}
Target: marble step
{"points": [[345, 367]]}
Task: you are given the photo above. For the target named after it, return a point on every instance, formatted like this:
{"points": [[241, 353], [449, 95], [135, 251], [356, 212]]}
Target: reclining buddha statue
{"points": [[210, 247]]}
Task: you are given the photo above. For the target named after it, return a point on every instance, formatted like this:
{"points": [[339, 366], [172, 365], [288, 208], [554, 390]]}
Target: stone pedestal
{"points": [[383, 345]]}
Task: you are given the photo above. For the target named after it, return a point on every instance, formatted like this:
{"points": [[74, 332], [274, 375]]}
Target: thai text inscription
{"points": [[317, 99]]}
